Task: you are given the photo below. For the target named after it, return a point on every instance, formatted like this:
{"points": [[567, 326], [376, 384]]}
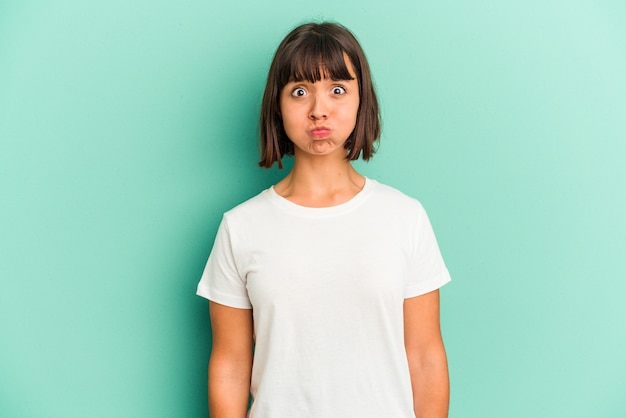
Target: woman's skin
{"points": [[319, 117], [230, 365]]}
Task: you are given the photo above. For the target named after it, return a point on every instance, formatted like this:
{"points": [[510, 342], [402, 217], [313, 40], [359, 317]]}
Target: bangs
{"points": [[315, 58]]}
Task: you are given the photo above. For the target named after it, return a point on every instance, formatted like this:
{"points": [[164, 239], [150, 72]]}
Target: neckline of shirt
{"points": [[295, 209]]}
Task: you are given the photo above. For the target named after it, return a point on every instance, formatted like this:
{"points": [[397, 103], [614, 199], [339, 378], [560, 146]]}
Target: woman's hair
{"points": [[311, 52]]}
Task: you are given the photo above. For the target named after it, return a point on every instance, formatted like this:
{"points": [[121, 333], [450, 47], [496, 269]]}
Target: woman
{"points": [[323, 289]]}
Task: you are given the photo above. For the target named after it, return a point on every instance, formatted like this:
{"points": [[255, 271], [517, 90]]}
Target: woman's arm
{"points": [[426, 354], [230, 366]]}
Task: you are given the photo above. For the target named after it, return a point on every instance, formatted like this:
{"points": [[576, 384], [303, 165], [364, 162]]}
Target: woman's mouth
{"points": [[320, 132]]}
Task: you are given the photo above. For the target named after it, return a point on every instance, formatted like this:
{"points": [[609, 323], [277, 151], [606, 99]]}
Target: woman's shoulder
{"points": [[251, 207], [392, 196]]}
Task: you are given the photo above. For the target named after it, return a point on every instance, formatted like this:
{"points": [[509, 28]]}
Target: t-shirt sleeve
{"points": [[427, 271], [221, 281]]}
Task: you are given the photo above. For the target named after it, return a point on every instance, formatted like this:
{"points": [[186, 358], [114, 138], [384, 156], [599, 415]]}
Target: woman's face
{"points": [[319, 117]]}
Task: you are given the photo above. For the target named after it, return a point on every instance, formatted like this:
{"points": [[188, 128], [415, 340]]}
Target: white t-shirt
{"points": [[326, 286]]}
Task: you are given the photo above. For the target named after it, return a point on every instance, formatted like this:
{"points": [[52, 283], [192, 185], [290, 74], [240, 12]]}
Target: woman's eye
{"points": [[339, 90], [298, 92]]}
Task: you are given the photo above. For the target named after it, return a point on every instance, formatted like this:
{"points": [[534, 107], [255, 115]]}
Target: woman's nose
{"points": [[319, 108]]}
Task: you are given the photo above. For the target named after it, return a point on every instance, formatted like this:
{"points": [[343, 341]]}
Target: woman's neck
{"points": [[320, 182]]}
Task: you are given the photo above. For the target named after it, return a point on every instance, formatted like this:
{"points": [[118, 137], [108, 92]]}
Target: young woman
{"points": [[323, 289]]}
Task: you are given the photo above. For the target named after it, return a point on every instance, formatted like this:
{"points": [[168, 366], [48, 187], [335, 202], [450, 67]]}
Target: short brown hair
{"points": [[301, 56]]}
